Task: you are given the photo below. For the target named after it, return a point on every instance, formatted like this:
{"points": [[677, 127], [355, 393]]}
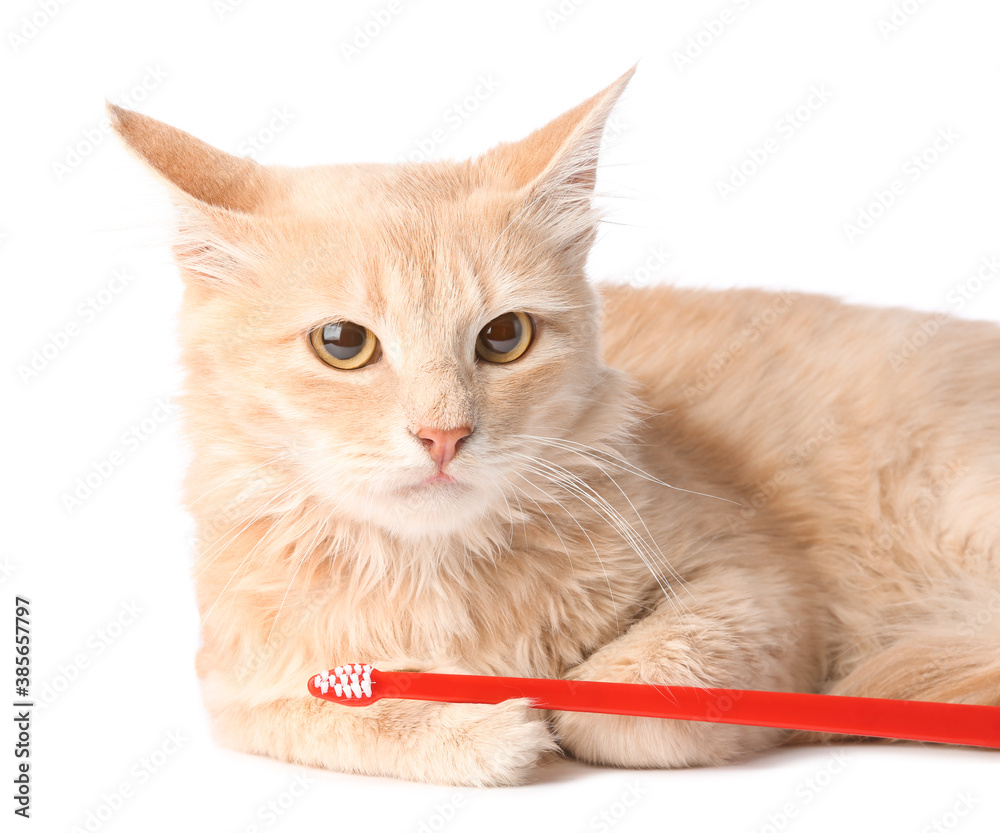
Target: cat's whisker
{"points": [[317, 477], [633, 508], [219, 546], [607, 578], [520, 510], [621, 462], [662, 558], [585, 492], [237, 441], [241, 475], [510, 518], [547, 518], [306, 553], [244, 565], [606, 512], [645, 561]]}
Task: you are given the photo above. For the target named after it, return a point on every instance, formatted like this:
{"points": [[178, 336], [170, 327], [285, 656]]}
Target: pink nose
{"points": [[443, 445]]}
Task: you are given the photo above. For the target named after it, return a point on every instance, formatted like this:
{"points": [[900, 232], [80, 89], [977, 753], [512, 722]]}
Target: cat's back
{"points": [[870, 437], [734, 355], [808, 408]]}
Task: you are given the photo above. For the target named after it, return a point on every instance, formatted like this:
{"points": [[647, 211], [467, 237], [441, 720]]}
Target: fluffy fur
{"points": [[734, 489]]}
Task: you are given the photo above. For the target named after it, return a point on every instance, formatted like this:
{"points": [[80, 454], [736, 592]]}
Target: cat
{"points": [[423, 439]]}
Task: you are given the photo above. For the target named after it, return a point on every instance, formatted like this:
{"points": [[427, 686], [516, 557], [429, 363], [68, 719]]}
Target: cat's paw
{"points": [[487, 745], [619, 740]]}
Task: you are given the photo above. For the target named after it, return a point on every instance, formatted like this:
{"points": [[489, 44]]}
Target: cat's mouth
{"points": [[439, 477], [439, 483]]}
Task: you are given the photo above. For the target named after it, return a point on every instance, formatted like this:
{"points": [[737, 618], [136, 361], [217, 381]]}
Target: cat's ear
{"points": [[197, 170], [217, 194], [555, 167]]}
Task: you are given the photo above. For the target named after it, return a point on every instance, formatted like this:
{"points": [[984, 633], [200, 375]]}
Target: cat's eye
{"points": [[505, 338], [344, 344]]}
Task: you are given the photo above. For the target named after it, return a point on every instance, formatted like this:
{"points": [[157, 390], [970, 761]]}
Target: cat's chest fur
{"points": [[564, 587]]}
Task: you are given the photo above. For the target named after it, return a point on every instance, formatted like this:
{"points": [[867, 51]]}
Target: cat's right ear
{"points": [[216, 193]]}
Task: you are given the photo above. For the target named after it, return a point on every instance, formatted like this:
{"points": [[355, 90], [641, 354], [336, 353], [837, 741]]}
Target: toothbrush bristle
{"points": [[347, 681]]}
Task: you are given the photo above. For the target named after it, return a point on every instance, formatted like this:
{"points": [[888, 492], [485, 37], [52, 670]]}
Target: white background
{"points": [[76, 209]]}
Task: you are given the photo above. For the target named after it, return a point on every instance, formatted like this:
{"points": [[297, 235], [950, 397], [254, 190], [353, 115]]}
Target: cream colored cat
{"points": [[423, 439]]}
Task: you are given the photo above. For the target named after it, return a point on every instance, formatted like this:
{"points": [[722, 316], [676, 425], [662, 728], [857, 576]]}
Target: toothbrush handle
{"points": [[957, 723]]}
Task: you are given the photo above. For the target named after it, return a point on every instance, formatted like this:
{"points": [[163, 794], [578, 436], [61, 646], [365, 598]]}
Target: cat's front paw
{"points": [[626, 741], [487, 745]]}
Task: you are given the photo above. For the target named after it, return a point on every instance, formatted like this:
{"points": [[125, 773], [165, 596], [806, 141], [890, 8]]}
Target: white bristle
{"points": [[347, 681]]}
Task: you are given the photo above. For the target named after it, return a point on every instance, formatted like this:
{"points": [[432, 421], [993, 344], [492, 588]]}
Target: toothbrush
{"points": [[956, 723]]}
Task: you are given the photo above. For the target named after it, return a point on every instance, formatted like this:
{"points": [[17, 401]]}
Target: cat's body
{"points": [[828, 523]]}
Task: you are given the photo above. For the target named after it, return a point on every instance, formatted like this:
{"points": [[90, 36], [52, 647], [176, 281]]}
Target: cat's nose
{"points": [[443, 445]]}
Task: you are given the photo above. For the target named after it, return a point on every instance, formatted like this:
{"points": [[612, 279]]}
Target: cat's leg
{"points": [[938, 636], [955, 659], [445, 743], [733, 625], [941, 661]]}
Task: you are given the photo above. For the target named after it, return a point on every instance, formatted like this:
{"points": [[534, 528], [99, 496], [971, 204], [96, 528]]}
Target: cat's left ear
{"points": [[199, 173], [555, 167], [218, 195]]}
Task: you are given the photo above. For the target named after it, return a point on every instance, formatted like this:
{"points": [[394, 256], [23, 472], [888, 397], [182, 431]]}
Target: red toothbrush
{"points": [[958, 723]]}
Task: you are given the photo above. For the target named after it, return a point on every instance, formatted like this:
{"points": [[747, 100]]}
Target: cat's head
{"points": [[355, 327]]}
